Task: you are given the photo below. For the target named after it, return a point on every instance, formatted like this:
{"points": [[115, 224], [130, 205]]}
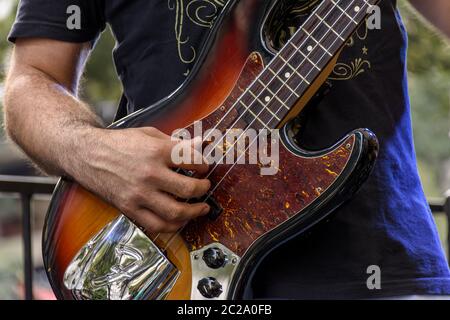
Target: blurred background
{"points": [[429, 81]]}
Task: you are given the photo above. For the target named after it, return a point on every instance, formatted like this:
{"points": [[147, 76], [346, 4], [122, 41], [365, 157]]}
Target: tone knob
{"points": [[214, 258], [210, 288]]}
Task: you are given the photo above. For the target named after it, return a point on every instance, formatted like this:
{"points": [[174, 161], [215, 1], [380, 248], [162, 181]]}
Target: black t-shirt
{"points": [[388, 224]]}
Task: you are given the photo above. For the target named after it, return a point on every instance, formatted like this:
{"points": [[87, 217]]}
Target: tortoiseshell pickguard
{"points": [[254, 204]]}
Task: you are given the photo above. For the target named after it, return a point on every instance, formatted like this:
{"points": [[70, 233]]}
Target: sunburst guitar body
{"points": [[92, 251]]}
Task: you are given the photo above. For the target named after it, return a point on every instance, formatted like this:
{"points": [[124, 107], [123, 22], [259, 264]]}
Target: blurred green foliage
{"points": [[429, 87], [102, 83]]}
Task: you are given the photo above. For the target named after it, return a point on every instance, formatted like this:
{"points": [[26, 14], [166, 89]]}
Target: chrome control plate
{"points": [[222, 275], [120, 263]]}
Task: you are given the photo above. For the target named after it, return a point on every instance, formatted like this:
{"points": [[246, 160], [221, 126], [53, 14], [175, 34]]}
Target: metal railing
{"points": [[27, 187], [443, 206]]}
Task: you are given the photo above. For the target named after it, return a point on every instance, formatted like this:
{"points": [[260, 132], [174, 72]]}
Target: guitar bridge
{"points": [[120, 263]]}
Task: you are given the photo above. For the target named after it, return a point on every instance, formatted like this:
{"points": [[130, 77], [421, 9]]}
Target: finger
{"points": [[153, 223], [187, 155], [182, 186], [169, 209]]}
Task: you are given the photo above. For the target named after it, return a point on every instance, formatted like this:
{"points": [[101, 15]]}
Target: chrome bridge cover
{"points": [[120, 263]]}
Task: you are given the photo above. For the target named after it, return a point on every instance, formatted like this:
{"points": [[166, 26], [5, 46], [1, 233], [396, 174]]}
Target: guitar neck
{"points": [[290, 73]]}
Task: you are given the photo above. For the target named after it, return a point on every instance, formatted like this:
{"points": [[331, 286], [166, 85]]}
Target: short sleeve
{"points": [[64, 20]]}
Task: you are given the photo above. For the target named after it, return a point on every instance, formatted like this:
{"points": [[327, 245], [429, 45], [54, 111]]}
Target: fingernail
{"points": [[206, 210]]}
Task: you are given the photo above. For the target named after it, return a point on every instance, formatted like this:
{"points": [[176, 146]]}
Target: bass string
{"points": [[226, 174], [267, 125], [276, 113], [273, 117], [223, 118], [259, 95], [218, 185], [285, 63]]}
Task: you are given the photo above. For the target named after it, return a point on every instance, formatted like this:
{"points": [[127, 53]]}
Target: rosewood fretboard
{"points": [[286, 78]]}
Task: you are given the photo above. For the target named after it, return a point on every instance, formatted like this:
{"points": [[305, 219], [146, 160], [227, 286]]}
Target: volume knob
{"points": [[210, 288], [214, 258]]}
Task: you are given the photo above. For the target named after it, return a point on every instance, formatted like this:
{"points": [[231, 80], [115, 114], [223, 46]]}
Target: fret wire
{"points": [[262, 103], [337, 25], [276, 85], [313, 52], [293, 75], [360, 4], [305, 62], [276, 76], [340, 21], [254, 115], [217, 185], [314, 39], [309, 60], [324, 22], [345, 12], [221, 180], [285, 84], [326, 19], [290, 96], [286, 63], [326, 34], [331, 16], [273, 94], [256, 107], [328, 9], [363, 12], [331, 27], [313, 24], [350, 6], [307, 57], [294, 69]]}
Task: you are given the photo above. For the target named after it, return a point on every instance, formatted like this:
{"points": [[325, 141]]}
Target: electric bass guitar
{"points": [[92, 251]]}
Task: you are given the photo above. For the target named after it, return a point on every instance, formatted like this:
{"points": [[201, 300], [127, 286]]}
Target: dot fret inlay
{"points": [[286, 79]]}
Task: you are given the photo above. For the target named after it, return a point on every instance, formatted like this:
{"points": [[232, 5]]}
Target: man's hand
{"points": [[133, 170], [130, 168]]}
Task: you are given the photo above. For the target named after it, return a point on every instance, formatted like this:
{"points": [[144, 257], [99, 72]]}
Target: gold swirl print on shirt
{"points": [[201, 13], [283, 22], [347, 70]]}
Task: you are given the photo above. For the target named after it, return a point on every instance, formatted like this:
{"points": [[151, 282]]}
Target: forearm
{"points": [[48, 122], [437, 12], [132, 169]]}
